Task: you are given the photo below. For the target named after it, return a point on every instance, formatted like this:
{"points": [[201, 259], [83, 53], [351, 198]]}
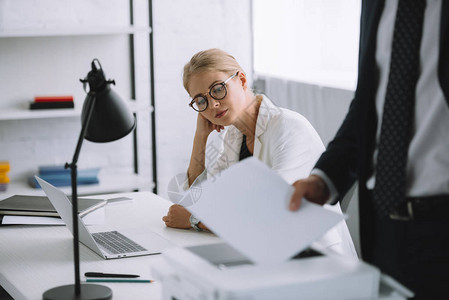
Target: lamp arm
{"points": [[91, 98], [74, 174]]}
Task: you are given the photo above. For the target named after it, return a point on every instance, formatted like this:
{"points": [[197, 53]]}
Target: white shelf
{"points": [[56, 36], [75, 31], [25, 114], [110, 182]]}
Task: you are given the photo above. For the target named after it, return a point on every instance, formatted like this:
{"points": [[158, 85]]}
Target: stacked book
{"points": [[25, 205], [50, 102], [4, 179], [59, 176], [24, 209]]}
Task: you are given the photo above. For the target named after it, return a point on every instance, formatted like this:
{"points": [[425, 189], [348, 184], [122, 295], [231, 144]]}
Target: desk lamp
{"points": [[104, 118]]}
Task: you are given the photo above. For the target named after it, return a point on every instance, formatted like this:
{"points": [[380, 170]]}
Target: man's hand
{"points": [[177, 217], [313, 188]]}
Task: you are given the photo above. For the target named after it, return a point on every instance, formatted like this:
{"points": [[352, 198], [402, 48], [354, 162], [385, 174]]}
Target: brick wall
{"points": [[181, 29]]}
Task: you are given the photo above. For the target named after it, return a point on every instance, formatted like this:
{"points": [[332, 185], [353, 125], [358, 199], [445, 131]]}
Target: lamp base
{"points": [[88, 292]]}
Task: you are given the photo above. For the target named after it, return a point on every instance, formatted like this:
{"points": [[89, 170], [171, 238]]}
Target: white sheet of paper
{"points": [[247, 206]]}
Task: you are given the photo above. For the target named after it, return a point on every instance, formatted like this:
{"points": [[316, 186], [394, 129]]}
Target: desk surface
{"points": [[34, 259]]}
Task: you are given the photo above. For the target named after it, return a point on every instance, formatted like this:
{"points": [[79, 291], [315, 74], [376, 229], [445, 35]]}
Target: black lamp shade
{"points": [[110, 120]]}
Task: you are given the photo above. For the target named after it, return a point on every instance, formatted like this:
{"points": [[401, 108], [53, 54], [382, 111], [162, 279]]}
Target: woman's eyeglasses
{"points": [[218, 91]]}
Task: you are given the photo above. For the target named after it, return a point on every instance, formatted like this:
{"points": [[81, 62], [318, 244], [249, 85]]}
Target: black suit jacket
{"points": [[348, 156]]}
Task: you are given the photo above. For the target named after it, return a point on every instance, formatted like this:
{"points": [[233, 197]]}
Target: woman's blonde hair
{"points": [[214, 59]]}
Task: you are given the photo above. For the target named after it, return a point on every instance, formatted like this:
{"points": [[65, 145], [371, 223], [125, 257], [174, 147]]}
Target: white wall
{"points": [[310, 41], [53, 65], [182, 28]]}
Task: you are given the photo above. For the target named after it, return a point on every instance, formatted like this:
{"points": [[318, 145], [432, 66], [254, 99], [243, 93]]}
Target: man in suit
{"points": [[403, 186]]}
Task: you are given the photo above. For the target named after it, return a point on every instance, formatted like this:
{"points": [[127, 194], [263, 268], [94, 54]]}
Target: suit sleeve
{"points": [[339, 161]]}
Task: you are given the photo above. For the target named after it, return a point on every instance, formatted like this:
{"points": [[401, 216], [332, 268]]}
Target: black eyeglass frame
{"points": [[223, 83]]}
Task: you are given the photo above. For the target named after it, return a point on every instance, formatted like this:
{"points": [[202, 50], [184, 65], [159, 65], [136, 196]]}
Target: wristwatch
{"points": [[194, 223]]}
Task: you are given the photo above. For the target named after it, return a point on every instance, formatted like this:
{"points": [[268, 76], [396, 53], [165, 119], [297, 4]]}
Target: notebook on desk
{"points": [[25, 205], [109, 244]]}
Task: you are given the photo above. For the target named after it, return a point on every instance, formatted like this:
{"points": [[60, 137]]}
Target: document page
{"points": [[247, 206]]}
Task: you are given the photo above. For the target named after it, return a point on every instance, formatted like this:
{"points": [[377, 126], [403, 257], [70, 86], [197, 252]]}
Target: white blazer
{"points": [[288, 144]]}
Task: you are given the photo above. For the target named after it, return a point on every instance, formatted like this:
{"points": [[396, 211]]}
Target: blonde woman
{"points": [[282, 139]]}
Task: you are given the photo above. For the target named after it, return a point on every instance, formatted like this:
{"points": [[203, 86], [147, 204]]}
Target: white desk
{"points": [[34, 259]]}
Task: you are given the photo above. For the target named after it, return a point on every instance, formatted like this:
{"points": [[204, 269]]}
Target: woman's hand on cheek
{"points": [[205, 127], [177, 217], [218, 128]]}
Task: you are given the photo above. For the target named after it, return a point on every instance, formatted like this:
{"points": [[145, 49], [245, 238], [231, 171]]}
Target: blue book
{"points": [[58, 176], [61, 182], [61, 170], [52, 170]]}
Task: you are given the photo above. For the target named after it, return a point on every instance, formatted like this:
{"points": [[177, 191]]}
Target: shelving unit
{"points": [[75, 32], [111, 180]]}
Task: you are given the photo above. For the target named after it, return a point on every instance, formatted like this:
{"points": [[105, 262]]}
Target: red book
{"points": [[53, 98]]}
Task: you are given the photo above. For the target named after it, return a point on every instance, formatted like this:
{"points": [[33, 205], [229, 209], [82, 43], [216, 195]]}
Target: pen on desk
{"points": [[99, 274], [120, 280]]}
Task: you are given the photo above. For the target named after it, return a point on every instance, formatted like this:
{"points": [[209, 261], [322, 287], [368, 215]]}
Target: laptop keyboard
{"points": [[116, 242]]}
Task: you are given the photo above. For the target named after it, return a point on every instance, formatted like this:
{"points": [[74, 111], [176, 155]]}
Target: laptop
{"points": [[108, 244]]}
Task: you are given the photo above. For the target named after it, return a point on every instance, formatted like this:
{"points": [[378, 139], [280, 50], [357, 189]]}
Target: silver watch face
{"points": [[194, 220]]}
